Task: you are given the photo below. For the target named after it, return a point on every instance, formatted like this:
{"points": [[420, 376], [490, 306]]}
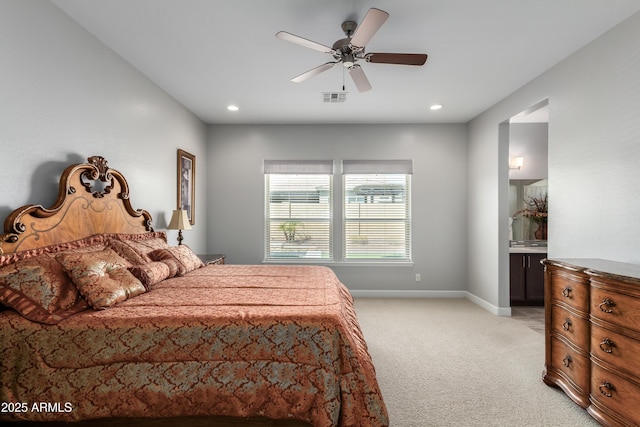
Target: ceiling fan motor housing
{"points": [[342, 46], [344, 51]]}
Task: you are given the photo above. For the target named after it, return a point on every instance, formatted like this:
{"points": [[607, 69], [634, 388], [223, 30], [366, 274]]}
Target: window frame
{"points": [[337, 200], [298, 170], [386, 173]]}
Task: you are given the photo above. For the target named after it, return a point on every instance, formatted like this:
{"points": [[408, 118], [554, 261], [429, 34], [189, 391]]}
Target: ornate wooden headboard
{"points": [[92, 199]]}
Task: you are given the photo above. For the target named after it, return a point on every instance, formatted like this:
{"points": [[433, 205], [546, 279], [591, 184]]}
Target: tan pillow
{"points": [[144, 247], [187, 257], [39, 289], [187, 260], [101, 277], [127, 252], [152, 273]]}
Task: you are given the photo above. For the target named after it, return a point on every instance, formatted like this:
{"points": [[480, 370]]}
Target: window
{"points": [[377, 210], [298, 205]]}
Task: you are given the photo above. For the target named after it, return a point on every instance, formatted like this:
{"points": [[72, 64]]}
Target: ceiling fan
{"points": [[349, 50]]}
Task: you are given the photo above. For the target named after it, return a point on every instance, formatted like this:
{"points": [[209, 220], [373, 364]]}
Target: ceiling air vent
{"points": [[333, 97]]}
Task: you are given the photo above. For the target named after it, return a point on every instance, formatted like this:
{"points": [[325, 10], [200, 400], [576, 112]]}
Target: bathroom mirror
{"points": [[528, 204]]}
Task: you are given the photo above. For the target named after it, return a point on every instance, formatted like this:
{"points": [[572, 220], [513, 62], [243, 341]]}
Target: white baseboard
{"points": [[406, 294], [498, 311]]}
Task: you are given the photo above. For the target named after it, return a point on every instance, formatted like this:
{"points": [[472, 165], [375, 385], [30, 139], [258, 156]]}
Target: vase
{"points": [[541, 231]]}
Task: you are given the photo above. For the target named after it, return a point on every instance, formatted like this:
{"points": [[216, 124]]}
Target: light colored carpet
{"points": [[448, 362]]}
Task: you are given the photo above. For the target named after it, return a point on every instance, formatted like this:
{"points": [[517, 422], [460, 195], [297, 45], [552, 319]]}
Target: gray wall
{"points": [[531, 141], [594, 152], [236, 194], [64, 96]]}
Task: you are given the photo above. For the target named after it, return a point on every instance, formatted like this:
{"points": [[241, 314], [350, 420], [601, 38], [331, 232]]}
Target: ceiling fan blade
{"points": [[283, 35], [359, 78], [397, 58], [371, 23], [313, 72]]}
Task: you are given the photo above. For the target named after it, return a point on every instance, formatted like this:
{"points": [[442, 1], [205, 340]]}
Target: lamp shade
{"points": [[516, 162], [179, 220]]}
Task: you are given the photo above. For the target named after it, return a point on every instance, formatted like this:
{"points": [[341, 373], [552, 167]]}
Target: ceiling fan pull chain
{"points": [[343, 86]]}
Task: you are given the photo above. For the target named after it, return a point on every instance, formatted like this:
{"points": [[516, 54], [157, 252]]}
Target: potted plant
{"points": [[294, 232], [289, 230]]}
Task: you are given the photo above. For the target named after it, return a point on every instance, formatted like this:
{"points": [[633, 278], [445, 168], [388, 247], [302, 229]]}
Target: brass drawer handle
{"points": [[607, 345], [606, 304], [566, 292], [567, 325], [567, 361], [607, 389]]}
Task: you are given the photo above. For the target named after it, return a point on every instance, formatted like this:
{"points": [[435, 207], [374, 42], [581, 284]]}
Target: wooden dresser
{"points": [[592, 336]]}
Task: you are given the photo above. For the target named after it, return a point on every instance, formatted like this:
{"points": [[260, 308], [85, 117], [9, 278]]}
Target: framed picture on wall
{"points": [[187, 184]]}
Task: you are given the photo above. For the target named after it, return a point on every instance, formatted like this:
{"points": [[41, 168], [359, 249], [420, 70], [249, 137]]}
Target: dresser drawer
{"points": [[573, 365], [616, 395], [619, 309], [572, 327], [616, 349], [571, 290]]}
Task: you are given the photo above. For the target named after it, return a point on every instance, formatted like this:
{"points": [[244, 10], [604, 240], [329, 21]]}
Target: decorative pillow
{"points": [[101, 277], [187, 260], [152, 273], [186, 256], [162, 235], [144, 247], [92, 243], [174, 265], [165, 255], [127, 252], [39, 289]]}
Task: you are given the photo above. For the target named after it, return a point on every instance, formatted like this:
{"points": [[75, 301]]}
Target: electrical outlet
{"points": [[417, 277]]}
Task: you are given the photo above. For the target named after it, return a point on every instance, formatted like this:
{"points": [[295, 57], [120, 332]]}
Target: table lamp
{"points": [[179, 221]]}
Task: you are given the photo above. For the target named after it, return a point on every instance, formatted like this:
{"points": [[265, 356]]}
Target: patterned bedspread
{"points": [[273, 341]]}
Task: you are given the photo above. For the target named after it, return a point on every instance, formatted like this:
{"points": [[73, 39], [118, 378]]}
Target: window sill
{"points": [[311, 261]]}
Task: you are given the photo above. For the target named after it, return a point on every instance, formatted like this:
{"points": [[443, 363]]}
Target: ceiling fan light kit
{"points": [[348, 51]]}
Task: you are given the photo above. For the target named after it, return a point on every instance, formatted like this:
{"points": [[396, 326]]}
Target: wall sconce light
{"points": [[179, 221], [516, 162]]}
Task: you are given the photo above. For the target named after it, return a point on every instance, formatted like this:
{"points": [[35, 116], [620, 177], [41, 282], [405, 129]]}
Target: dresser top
{"points": [[600, 267]]}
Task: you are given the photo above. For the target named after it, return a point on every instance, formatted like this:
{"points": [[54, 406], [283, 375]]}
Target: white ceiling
{"points": [[211, 53]]}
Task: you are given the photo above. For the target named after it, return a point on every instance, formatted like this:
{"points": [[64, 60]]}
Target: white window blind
{"points": [[377, 210], [298, 209]]}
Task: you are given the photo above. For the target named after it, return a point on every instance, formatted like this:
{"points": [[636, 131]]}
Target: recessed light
{"points": [[232, 108], [436, 107]]}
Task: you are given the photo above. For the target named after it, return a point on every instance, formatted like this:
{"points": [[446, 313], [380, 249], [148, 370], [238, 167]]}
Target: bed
{"points": [[102, 319]]}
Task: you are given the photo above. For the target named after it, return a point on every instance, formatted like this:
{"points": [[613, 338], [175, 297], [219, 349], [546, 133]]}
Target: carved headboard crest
{"points": [[101, 172], [104, 207]]}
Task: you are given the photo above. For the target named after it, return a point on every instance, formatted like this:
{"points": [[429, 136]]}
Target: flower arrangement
{"points": [[537, 210]]}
